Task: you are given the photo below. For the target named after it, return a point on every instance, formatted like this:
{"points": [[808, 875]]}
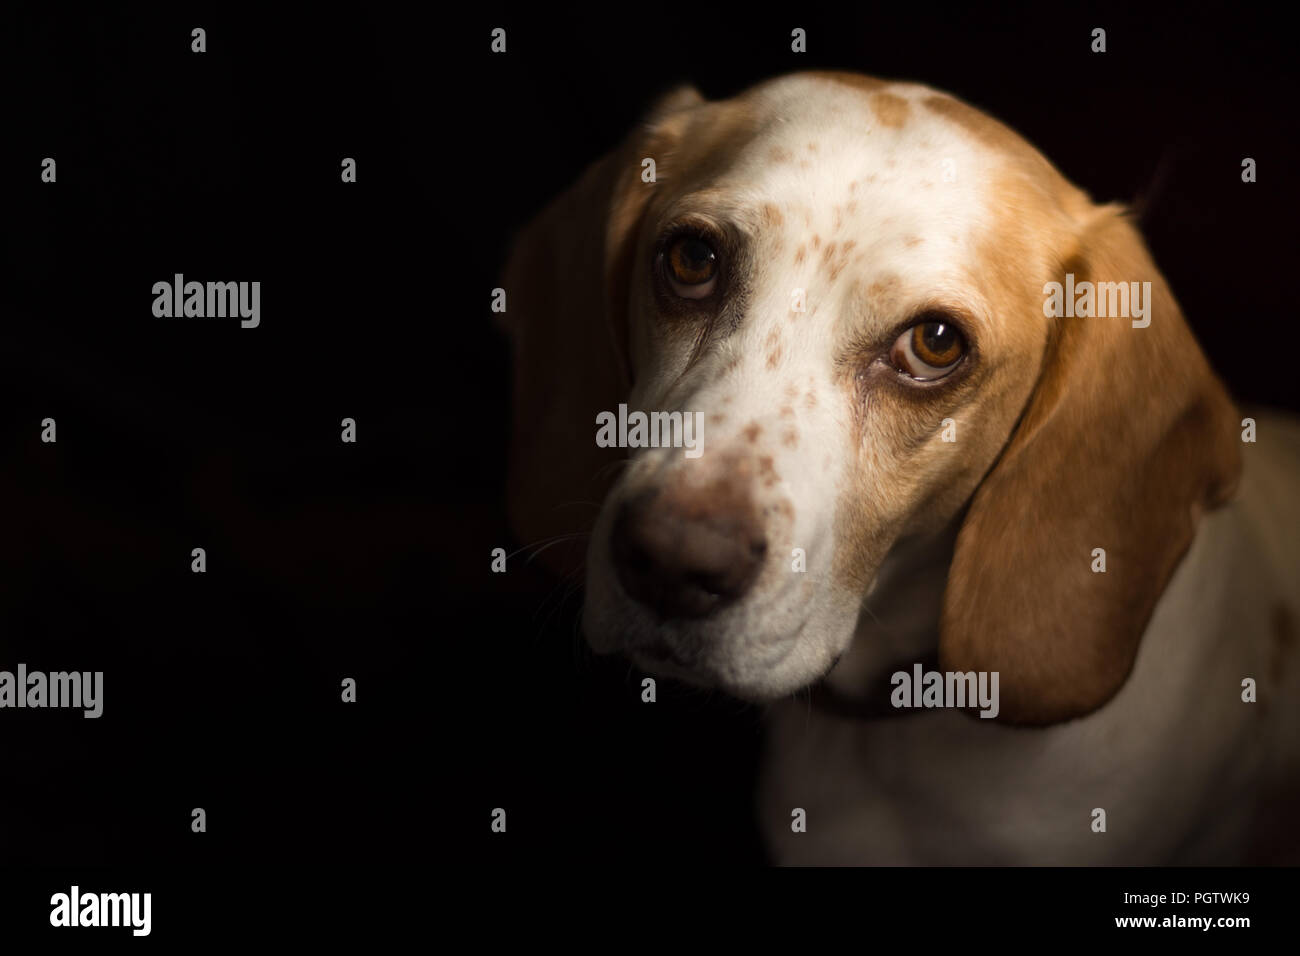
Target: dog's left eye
{"points": [[928, 350]]}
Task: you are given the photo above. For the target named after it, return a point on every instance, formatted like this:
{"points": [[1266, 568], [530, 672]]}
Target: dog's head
{"points": [[841, 285]]}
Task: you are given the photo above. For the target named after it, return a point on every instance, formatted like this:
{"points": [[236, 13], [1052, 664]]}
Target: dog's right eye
{"points": [[690, 265], [928, 350]]}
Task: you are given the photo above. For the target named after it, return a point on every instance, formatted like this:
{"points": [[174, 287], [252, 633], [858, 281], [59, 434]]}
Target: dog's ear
{"points": [[1127, 437], [566, 285]]}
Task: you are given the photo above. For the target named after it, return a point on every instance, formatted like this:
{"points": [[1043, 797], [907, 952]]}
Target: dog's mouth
{"points": [[694, 667]]}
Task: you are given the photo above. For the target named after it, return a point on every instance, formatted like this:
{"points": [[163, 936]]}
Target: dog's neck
{"points": [[898, 626]]}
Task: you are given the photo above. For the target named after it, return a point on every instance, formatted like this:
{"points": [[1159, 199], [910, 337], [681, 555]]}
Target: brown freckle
{"points": [[766, 471], [852, 207], [787, 412], [811, 400], [791, 390], [780, 155], [887, 285], [751, 432], [913, 241], [870, 179], [728, 399], [817, 241], [891, 110], [772, 215], [733, 362], [834, 266], [853, 186], [790, 438], [773, 339], [848, 246], [804, 164], [812, 147], [774, 359], [838, 219], [799, 254], [717, 418], [828, 252]]}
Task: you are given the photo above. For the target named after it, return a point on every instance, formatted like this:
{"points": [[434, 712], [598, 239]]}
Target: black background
{"points": [[371, 560]]}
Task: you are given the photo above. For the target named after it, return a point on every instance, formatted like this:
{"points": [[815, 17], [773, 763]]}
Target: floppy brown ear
{"points": [[566, 300], [1126, 439]]}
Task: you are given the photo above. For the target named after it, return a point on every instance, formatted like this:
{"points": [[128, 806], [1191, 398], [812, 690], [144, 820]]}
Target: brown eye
{"points": [[928, 350], [692, 266]]}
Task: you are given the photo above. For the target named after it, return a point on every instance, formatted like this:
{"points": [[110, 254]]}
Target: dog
{"points": [[912, 455]]}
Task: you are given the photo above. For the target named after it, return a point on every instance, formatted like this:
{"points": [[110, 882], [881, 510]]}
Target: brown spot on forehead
{"points": [[774, 358], [752, 431], [779, 154], [772, 215], [855, 80], [790, 437], [891, 110], [799, 254], [767, 471], [787, 412]]}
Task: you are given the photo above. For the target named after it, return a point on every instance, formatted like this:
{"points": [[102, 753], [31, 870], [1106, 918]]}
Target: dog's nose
{"points": [[687, 554]]}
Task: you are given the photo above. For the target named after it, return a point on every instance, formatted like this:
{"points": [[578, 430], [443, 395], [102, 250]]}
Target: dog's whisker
{"points": [[547, 542]]}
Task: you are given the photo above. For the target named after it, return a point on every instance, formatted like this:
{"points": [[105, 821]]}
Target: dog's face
{"points": [[824, 290], [843, 282]]}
